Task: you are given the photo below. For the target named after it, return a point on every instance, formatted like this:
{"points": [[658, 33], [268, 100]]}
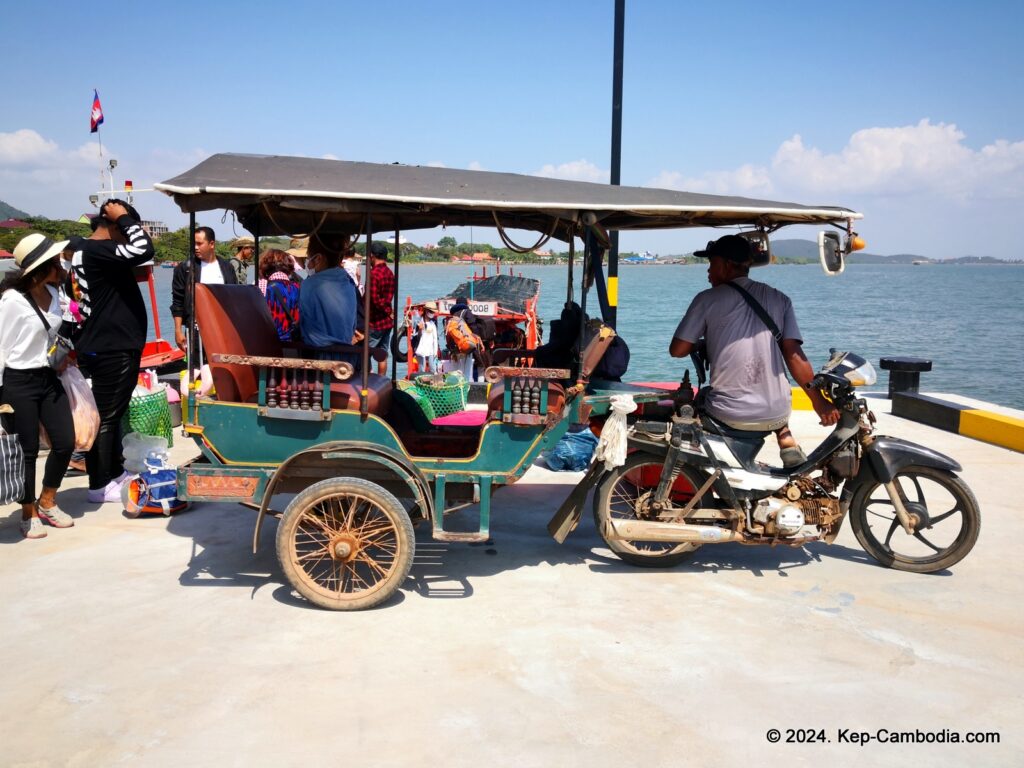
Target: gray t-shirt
{"points": [[748, 375]]}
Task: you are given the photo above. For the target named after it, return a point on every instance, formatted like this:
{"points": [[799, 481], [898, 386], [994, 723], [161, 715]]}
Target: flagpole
{"points": [[99, 141]]}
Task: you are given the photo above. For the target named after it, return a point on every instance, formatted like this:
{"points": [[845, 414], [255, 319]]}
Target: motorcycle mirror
{"points": [[830, 253], [760, 247]]}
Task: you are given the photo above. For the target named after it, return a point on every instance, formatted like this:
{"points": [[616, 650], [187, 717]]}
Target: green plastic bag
{"points": [[421, 400], [447, 398], [149, 415]]}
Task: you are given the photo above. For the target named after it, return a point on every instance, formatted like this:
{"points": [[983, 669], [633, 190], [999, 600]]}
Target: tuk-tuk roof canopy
{"points": [[280, 195]]}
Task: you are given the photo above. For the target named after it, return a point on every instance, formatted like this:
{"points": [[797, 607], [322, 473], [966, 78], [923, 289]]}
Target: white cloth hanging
{"points": [[611, 448]]}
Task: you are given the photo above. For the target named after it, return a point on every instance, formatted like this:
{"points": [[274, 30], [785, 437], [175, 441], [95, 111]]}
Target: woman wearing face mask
{"points": [[28, 303]]}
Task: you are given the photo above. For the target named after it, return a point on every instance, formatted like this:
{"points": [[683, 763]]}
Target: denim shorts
{"points": [[380, 338]]}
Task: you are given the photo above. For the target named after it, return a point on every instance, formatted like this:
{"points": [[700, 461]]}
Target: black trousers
{"points": [[38, 397], [114, 376]]}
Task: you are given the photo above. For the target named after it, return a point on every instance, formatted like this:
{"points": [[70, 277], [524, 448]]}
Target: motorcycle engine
{"points": [[779, 517]]}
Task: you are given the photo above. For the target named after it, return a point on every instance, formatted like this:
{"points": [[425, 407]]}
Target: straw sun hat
{"points": [[35, 250]]}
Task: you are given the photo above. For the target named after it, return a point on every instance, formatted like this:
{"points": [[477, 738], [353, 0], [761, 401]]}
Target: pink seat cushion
{"points": [[461, 419]]}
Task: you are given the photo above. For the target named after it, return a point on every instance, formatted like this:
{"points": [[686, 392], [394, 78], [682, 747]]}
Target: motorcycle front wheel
{"points": [[944, 510], [622, 496]]}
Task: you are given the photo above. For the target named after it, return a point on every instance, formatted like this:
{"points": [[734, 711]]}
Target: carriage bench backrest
{"points": [[548, 393], [235, 320]]}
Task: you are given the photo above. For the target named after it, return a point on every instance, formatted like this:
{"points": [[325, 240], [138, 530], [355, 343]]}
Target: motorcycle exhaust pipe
{"points": [[675, 533]]}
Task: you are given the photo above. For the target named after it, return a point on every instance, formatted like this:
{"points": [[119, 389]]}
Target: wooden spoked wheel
{"points": [[345, 544]]}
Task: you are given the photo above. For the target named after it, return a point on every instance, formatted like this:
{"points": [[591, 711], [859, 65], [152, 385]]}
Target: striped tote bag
{"points": [[12, 468]]}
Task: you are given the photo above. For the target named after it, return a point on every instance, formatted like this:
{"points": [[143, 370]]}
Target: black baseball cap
{"points": [[732, 248]]}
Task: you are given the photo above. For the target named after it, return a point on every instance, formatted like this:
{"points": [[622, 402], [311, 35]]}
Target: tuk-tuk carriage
{"points": [[363, 461]]}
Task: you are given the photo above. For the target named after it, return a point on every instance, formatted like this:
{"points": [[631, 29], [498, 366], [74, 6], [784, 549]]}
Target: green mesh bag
{"points": [[447, 398], [149, 415], [422, 400]]}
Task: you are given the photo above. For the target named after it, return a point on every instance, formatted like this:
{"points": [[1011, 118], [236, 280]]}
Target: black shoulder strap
{"points": [[760, 312], [35, 306]]}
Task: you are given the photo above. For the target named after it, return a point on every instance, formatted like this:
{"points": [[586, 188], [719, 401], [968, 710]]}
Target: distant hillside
{"points": [[807, 250], [10, 212]]}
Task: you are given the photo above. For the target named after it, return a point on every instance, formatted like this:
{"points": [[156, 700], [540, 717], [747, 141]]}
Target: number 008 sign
{"points": [[483, 308]]}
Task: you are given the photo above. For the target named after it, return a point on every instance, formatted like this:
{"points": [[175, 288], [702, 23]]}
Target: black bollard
{"points": [[904, 372]]}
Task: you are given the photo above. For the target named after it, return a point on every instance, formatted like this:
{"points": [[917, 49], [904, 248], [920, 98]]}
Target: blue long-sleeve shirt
{"points": [[327, 308]]}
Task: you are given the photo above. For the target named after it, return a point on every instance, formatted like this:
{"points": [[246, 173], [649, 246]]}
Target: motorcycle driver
{"points": [[748, 390]]}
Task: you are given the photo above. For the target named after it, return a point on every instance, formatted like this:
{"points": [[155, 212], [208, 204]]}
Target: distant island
{"points": [[806, 252], [10, 212]]}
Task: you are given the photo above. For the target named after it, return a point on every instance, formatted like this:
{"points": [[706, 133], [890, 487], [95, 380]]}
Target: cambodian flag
{"points": [[96, 118]]}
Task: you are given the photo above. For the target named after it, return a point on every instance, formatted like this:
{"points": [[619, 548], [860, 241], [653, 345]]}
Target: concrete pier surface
{"points": [[165, 642]]}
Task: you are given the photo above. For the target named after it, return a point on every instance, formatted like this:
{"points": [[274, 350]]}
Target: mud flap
{"points": [[568, 515]]}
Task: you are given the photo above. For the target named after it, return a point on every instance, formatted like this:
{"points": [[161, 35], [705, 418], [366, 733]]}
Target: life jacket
{"points": [[459, 337]]}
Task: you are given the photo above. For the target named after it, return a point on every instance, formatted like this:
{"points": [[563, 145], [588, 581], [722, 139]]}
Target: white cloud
{"points": [[37, 175], [25, 150], [898, 177], [575, 170], [745, 180], [25, 147], [475, 166], [330, 156], [925, 160]]}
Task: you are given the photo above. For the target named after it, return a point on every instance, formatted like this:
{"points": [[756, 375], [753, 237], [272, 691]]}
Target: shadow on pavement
{"points": [[222, 534]]}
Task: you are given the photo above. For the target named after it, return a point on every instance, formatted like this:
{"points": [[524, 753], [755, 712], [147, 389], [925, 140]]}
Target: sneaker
{"points": [[56, 517], [792, 457], [112, 492], [33, 528]]}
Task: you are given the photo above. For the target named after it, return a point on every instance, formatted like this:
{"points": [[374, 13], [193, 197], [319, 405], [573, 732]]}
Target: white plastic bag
{"points": [[611, 448], [136, 447], [83, 407]]}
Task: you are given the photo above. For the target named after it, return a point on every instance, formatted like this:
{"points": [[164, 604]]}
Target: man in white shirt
{"points": [[212, 271]]}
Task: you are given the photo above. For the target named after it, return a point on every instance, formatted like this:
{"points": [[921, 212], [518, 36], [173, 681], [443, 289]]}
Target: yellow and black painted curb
{"points": [[977, 423], [987, 426]]}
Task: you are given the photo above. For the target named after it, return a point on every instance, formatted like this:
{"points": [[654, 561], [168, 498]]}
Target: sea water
{"points": [[966, 319]]}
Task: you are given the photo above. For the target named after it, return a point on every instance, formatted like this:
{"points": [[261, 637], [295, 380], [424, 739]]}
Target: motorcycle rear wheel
{"points": [[938, 499], [619, 498]]}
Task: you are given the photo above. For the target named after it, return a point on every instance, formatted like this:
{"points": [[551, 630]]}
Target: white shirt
{"points": [[428, 340], [210, 274], [24, 341]]}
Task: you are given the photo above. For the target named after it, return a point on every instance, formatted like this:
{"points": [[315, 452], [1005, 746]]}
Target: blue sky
{"points": [[910, 112]]}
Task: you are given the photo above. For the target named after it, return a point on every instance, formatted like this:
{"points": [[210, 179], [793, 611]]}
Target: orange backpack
{"points": [[459, 337]]}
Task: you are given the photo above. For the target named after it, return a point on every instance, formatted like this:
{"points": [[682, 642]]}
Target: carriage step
{"points": [[469, 537], [481, 494]]}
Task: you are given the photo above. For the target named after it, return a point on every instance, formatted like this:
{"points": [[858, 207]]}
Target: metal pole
{"points": [[364, 394], [572, 259], [613, 251], [587, 255], [190, 345], [256, 252], [394, 331]]}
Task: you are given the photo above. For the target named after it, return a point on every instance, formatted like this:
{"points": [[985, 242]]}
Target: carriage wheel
{"points": [[345, 544]]}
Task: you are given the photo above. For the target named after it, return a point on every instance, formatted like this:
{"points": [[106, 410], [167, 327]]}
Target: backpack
{"points": [[458, 336], [613, 364], [153, 492]]}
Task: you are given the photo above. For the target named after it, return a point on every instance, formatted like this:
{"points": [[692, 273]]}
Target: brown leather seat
{"points": [[235, 320]]}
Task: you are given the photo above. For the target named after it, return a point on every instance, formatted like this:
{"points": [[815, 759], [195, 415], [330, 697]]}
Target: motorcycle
{"points": [[685, 484]]}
